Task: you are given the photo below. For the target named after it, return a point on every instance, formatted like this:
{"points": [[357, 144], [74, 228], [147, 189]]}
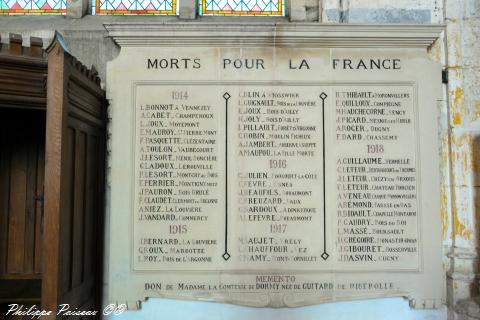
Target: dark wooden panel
{"points": [[20, 290], [21, 138], [39, 208], [21, 149], [67, 222], [55, 191], [23, 73], [16, 212], [81, 293], [22, 160], [85, 96], [79, 210], [31, 193], [91, 195], [74, 183], [4, 195]]}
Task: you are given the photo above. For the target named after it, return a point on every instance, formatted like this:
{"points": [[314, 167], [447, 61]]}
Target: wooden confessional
{"points": [[52, 162]]}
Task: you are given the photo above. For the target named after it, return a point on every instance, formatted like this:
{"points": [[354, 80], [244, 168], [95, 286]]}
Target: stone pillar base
{"points": [[468, 309]]}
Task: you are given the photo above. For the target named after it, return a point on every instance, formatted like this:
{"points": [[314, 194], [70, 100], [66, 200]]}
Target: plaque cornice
{"points": [[306, 35]]}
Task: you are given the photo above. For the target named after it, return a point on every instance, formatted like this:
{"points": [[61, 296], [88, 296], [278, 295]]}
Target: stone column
{"points": [[303, 10], [188, 9], [333, 11], [463, 66], [77, 8]]}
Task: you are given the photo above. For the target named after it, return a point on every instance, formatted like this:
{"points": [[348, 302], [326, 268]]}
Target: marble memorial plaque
{"points": [[285, 169]]}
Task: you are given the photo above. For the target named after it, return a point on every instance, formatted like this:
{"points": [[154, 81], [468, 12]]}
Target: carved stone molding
{"points": [[311, 35]]}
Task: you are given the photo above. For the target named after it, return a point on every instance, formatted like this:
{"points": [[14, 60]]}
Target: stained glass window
{"points": [[33, 6], [145, 7], [242, 7]]}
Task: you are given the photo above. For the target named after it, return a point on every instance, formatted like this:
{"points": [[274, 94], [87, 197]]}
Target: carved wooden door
{"points": [[74, 186]]}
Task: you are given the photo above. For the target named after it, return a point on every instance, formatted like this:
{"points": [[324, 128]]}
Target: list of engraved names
{"points": [[275, 176]]}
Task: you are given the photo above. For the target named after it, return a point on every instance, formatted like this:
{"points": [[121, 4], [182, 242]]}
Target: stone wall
{"points": [[457, 50], [463, 141]]}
